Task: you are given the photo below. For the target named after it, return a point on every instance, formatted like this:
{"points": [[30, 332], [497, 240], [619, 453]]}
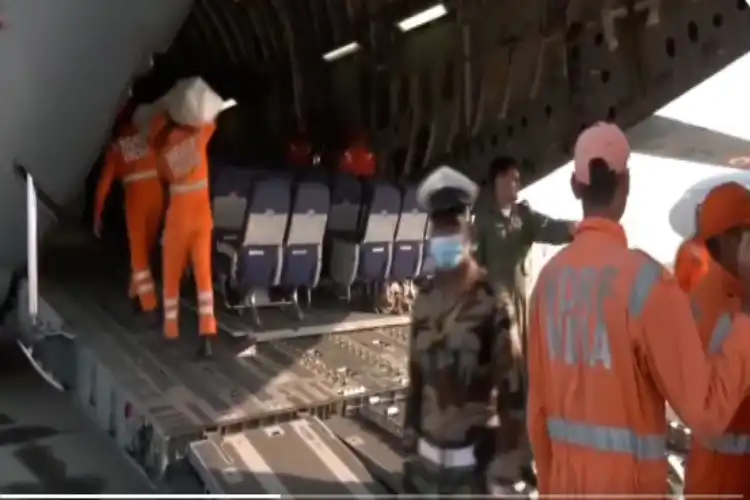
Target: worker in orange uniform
{"points": [[189, 222], [358, 159], [611, 338], [690, 264], [691, 260], [721, 465], [132, 161]]}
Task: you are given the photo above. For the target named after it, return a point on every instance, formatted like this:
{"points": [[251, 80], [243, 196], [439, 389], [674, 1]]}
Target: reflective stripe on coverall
{"points": [[189, 222], [132, 161], [690, 264], [719, 465], [612, 336]]}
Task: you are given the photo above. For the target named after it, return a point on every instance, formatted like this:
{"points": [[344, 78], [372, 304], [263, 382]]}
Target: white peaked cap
{"points": [[448, 179], [193, 102]]}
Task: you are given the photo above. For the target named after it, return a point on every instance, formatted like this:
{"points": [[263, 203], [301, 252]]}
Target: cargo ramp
{"points": [[298, 457], [161, 403], [47, 445], [374, 435]]}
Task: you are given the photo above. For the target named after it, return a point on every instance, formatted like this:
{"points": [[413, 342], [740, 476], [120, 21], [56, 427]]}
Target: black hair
{"points": [[446, 217], [501, 166], [450, 219], [602, 186], [714, 248], [713, 245]]}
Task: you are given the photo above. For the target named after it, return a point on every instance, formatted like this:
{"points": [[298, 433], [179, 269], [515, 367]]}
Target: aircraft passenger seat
{"points": [[367, 260], [346, 203], [230, 190], [260, 255], [303, 247], [408, 248]]}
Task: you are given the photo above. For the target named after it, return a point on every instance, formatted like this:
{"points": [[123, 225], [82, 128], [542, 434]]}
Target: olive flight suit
{"points": [[503, 243]]}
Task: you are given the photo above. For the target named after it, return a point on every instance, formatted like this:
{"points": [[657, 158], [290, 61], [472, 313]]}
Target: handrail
{"points": [[32, 277], [32, 246]]}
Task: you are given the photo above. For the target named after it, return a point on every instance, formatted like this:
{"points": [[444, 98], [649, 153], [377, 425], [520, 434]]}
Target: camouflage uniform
{"points": [[461, 363]]}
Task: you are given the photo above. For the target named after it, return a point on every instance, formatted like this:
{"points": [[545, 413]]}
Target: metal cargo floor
{"points": [[301, 457], [73, 256], [280, 323], [374, 435], [240, 386]]}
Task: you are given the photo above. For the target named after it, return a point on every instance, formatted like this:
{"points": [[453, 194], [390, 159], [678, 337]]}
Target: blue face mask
{"points": [[447, 251]]}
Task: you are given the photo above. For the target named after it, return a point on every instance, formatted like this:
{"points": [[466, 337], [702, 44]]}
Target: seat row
{"points": [[271, 230]]}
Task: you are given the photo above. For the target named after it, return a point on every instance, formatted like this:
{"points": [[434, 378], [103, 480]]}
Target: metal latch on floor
{"points": [[39, 329]]}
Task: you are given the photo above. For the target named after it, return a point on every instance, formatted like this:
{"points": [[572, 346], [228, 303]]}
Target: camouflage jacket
{"points": [[503, 242], [463, 372]]}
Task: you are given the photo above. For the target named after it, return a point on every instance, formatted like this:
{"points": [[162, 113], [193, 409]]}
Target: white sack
{"points": [[192, 102], [144, 115]]}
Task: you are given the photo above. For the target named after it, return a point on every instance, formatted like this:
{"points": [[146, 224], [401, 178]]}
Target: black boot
{"points": [[205, 347], [135, 303]]}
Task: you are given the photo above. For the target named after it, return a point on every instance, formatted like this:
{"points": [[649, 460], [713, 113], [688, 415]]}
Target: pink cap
{"points": [[601, 140]]}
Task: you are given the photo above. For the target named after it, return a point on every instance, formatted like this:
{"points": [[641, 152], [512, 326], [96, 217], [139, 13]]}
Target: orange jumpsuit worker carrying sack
{"points": [[721, 465], [611, 338], [131, 160], [182, 136]]}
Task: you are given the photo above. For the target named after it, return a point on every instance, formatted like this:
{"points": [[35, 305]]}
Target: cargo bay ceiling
{"points": [[458, 81]]}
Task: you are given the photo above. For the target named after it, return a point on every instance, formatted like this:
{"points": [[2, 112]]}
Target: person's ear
{"points": [[576, 187], [626, 180]]}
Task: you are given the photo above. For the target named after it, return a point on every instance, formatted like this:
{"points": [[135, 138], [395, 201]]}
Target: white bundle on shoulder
{"points": [[193, 102], [144, 115]]}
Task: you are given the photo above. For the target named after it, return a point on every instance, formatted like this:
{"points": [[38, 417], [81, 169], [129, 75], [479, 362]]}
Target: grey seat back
{"points": [[346, 203], [268, 213], [383, 214], [309, 216], [412, 223]]}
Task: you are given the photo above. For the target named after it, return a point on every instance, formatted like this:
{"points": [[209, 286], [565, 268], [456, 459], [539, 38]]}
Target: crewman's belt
{"points": [[448, 458], [607, 439], [188, 188], [730, 444], [139, 176]]}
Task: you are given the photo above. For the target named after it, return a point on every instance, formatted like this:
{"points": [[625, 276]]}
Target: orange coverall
{"points": [[611, 337], [358, 160], [691, 260], [299, 152], [691, 263], [720, 465], [189, 221], [131, 160]]}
